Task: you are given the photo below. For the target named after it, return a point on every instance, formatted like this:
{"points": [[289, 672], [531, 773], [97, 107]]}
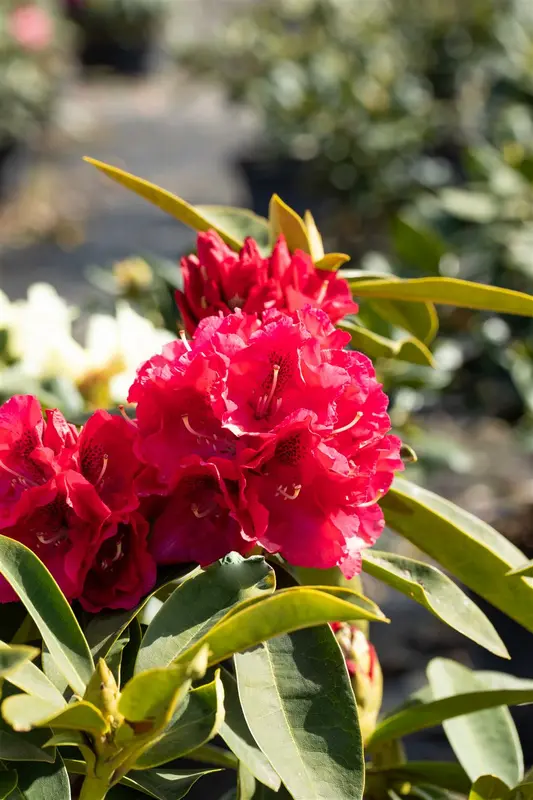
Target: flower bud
{"points": [[365, 674]]}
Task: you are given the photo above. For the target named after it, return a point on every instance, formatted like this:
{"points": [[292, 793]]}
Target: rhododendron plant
{"points": [[181, 561]]}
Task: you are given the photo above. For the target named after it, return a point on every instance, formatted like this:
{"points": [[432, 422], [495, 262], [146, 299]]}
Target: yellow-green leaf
{"points": [[13, 658], [283, 220], [419, 319], [24, 712], [450, 292], [376, 346], [489, 787], [316, 245], [470, 549], [526, 570], [166, 201]]}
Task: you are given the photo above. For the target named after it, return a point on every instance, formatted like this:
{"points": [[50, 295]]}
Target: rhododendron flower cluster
{"points": [[263, 433], [70, 498], [219, 280]]}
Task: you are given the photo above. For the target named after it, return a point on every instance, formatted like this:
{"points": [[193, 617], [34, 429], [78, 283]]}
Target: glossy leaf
{"points": [[489, 787], [164, 784], [196, 722], [451, 292], [485, 743], [283, 220], [332, 261], [285, 611], [195, 606], [300, 707], [8, 782], [424, 712], [238, 736], [13, 658], [436, 592], [50, 611], [376, 346], [470, 549], [19, 748], [39, 781], [24, 712], [166, 201], [446, 775], [33, 681]]}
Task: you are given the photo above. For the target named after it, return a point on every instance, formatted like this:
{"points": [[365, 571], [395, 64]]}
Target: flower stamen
{"points": [[50, 538], [184, 339], [322, 293], [265, 400], [17, 474], [284, 492], [373, 502], [185, 420], [102, 471], [200, 514], [347, 427]]}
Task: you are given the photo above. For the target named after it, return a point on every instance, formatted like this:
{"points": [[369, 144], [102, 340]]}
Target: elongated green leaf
{"points": [[485, 743], [284, 220], [30, 679], [445, 775], [470, 549], [196, 722], [18, 748], [420, 715], [12, 658], [69, 738], [164, 784], [214, 756], [488, 787], [436, 592], [39, 781], [8, 782], [526, 570], [238, 736], [376, 346], [50, 611], [166, 201], [418, 245], [24, 712], [451, 292], [238, 223], [332, 261], [300, 707], [114, 657], [198, 603], [420, 319], [285, 611], [316, 245]]}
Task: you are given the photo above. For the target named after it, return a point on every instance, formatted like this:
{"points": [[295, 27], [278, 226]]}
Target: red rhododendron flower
{"points": [[66, 495], [218, 280], [31, 27], [264, 434]]}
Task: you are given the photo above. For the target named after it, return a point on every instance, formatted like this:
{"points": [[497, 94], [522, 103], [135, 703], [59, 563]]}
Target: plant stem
{"points": [[94, 788]]}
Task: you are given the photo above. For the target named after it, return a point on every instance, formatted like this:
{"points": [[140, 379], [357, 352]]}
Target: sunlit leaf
{"points": [[283, 220], [376, 346], [24, 712]]}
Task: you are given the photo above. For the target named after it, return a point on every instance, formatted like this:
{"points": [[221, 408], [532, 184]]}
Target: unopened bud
{"points": [[365, 674]]}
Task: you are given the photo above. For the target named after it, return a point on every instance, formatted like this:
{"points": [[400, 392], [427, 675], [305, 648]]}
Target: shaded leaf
{"points": [[436, 592], [300, 707], [50, 611], [420, 319], [8, 782], [18, 748], [164, 784], [443, 774], [470, 549], [195, 606], [376, 346], [488, 787], [38, 781]]}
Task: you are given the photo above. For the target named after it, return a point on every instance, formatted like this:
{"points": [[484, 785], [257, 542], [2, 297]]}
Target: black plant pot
{"points": [[12, 160], [265, 177], [124, 58]]}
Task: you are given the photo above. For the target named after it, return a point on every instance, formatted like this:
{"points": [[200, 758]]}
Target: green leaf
{"points": [[50, 611], [238, 223], [376, 346], [332, 261], [526, 570], [114, 657], [316, 245], [424, 712], [238, 737], [436, 592], [287, 610], [24, 712], [8, 783], [485, 743], [450, 292], [18, 748], [283, 220], [489, 787], [165, 784], [77, 739], [445, 775], [38, 781], [418, 246], [153, 695], [13, 658], [420, 319], [195, 606], [214, 756], [31, 680], [470, 549], [300, 707], [197, 721], [166, 201]]}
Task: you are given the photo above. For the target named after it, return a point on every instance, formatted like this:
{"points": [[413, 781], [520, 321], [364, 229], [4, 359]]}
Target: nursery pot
{"points": [[123, 58], [12, 156], [267, 176]]}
